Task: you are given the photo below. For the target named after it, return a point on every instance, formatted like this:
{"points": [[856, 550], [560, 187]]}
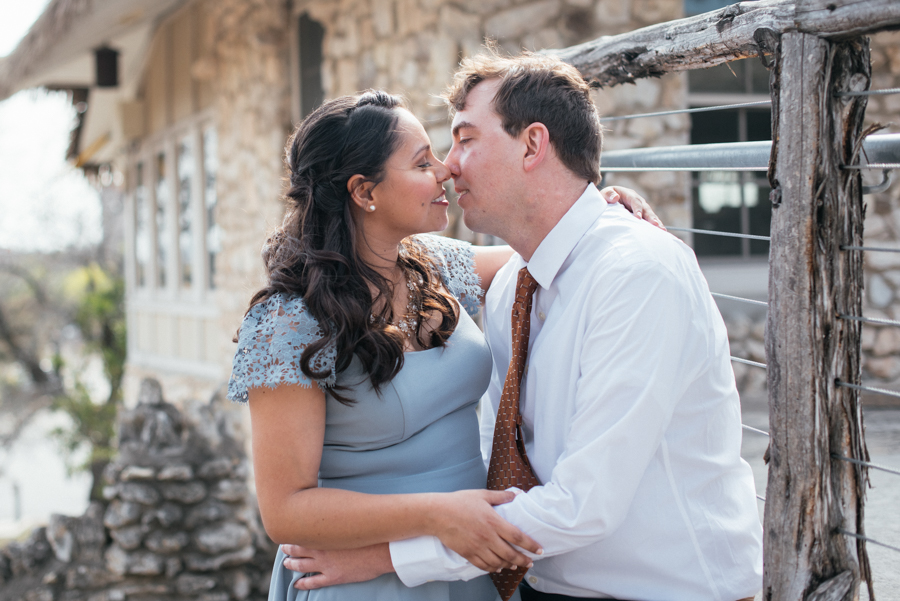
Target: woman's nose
{"points": [[442, 172]]}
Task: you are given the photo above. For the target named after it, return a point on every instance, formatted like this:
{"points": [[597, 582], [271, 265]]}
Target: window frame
{"points": [[705, 99], [173, 294]]}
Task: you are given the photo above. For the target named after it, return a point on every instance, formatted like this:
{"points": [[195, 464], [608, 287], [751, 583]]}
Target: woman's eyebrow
{"points": [[422, 149]]}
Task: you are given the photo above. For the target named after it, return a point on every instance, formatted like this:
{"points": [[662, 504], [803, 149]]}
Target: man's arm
{"points": [[634, 368]]}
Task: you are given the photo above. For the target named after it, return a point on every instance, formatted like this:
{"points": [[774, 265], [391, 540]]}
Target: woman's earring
{"points": [[370, 208]]}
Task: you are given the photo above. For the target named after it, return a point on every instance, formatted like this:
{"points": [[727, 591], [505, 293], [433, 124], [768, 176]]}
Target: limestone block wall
{"points": [[412, 47], [409, 47], [881, 345], [177, 523], [246, 69]]}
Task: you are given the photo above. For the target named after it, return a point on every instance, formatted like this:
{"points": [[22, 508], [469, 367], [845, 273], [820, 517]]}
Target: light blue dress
{"points": [[419, 435]]}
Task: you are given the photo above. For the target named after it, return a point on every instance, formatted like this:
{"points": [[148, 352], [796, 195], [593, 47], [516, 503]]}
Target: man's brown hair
{"points": [[537, 89]]}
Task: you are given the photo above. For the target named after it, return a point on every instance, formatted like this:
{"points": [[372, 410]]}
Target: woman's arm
{"points": [[288, 430], [488, 261]]}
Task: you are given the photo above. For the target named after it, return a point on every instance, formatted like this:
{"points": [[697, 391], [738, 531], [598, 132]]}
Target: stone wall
{"points": [[177, 523], [412, 47], [247, 69], [881, 345]]}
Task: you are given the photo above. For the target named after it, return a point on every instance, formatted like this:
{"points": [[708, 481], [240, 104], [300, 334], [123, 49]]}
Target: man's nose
{"points": [[452, 161]]}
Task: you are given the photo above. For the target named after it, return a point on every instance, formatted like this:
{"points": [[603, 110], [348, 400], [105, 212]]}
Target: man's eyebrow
{"points": [[461, 125]]}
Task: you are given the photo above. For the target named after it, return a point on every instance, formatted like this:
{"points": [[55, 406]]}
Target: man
{"points": [[629, 411]]}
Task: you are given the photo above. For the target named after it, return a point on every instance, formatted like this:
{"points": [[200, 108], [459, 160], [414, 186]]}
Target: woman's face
{"points": [[410, 199]]}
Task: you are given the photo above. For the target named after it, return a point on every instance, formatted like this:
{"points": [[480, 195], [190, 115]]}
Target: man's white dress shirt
{"points": [[631, 420]]}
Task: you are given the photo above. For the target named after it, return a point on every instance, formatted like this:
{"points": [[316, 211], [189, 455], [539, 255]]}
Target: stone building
{"points": [[202, 95]]}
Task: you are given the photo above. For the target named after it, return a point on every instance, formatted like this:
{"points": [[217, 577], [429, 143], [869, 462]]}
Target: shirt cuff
{"points": [[424, 559]]}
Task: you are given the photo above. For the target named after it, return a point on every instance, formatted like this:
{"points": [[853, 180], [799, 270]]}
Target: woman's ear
{"points": [[537, 142], [360, 190]]}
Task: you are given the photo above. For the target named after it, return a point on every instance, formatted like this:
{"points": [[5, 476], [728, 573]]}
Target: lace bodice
{"points": [[274, 333]]}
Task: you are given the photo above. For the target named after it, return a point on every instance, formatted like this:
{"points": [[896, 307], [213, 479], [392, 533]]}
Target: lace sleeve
{"points": [[272, 337], [456, 262]]}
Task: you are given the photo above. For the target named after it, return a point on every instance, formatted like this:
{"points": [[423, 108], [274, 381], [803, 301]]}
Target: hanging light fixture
{"points": [[107, 67]]}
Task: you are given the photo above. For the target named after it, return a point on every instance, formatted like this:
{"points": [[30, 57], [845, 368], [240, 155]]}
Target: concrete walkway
{"points": [[882, 501]]}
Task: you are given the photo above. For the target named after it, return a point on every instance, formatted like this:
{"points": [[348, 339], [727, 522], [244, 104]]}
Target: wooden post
{"points": [[818, 207]]}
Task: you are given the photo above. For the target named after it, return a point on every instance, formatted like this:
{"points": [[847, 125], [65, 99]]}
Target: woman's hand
{"points": [[632, 201], [466, 522], [328, 568]]}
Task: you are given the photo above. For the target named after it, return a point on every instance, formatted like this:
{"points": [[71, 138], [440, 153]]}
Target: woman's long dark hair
{"points": [[314, 253]]}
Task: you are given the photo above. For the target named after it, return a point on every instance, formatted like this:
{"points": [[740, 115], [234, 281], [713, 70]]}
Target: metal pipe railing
{"points": [[733, 156]]}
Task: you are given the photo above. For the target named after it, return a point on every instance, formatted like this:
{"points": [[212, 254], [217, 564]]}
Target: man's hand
{"points": [[632, 201], [337, 567]]}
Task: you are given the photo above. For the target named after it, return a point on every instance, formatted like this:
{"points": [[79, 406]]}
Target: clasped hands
{"points": [[464, 521]]}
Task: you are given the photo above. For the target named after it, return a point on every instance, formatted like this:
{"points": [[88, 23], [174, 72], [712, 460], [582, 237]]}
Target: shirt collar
{"points": [[556, 246]]}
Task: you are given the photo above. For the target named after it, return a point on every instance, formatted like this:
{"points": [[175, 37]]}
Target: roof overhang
{"points": [[58, 53], [58, 50]]}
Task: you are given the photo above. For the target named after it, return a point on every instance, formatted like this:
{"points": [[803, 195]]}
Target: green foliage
{"points": [[100, 316], [92, 426], [98, 298]]}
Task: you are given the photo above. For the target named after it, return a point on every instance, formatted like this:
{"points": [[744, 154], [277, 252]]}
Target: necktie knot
{"points": [[525, 284]]}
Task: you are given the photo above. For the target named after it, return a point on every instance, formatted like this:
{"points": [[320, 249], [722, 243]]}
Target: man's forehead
{"points": [[478, 104]]}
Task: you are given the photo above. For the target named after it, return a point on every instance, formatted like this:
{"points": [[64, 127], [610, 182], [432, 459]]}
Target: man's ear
{"points": [[537, 144], [360, 190]]}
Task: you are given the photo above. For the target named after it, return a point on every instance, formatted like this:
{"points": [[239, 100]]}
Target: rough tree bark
{"points": [[817, 208], [720, 36]]}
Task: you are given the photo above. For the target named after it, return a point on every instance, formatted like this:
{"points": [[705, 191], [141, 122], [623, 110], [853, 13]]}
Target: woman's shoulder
{"points": [[278, 311], [272, 338], [455, 261]]}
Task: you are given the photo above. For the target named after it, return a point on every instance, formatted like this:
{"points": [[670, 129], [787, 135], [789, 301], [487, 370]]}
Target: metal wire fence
{"points": [[880, 152]]}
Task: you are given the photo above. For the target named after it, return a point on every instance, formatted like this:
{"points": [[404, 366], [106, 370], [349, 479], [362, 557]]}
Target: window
{"points": [[142, 243], [310, 36], [185, 168], [213, 231], [725, 200], [177, 237], [162, 202]]}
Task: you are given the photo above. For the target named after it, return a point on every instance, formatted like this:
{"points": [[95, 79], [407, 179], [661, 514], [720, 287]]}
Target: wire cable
{"points": [[749, 362], [738, 298], [752, 429], [869, 464], [701, 109], [713, 233], [884, 92], [868, 540], [873, 166], [870, 320], [869, 248], [867, 389]]}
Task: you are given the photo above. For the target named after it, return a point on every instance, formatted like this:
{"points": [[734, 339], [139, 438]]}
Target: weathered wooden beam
{"points": [[817, 207], [738, 31]]}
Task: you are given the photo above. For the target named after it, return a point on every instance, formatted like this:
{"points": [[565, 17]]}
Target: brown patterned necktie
{"points": [[509, 464]]}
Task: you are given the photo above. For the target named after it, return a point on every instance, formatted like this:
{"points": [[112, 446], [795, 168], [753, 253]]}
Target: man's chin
{"points": [[475, 224]]}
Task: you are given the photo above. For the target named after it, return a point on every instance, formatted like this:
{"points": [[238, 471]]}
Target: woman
{"points": [[360, 363]]}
